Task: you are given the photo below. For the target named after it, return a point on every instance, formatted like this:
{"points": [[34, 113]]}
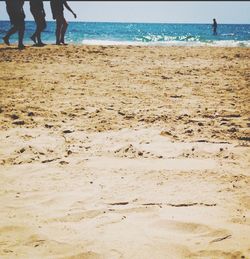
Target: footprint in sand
{"points": [[193, 229]]}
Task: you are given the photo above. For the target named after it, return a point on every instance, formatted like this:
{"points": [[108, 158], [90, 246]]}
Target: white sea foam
{"points": [[219, 43]]}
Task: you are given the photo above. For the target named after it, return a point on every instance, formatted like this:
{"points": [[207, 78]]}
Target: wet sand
{"points": [[124, 152]]}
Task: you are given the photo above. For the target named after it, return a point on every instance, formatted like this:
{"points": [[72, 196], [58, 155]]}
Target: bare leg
{"points": [[40, 28], [64, 29], [33, 37], [20, 35], [39, 41], [58, 30], [9, 33]]}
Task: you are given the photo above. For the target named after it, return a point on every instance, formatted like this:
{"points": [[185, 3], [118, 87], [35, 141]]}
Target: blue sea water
{"points": [[103, 33]]}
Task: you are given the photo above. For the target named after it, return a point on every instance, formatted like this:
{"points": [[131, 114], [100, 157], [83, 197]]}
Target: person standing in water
{"points": [[37, 10], [57, 7], [214, 26], [15, 11]]}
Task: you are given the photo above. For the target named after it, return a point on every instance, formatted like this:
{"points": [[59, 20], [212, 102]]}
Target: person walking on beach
{"points": [[15, 11], [57, 7], [214, 26], [37, 10]]}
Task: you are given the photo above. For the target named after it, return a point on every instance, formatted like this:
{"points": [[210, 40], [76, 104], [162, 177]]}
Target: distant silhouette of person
{"points": [[37, 10], [214, 26], [15, 11], [57, 7]]}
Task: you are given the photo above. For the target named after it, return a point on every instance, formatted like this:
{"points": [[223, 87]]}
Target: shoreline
{"points": [[215, 44]]}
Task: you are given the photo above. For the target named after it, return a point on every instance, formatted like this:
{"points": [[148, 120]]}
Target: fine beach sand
{"points": [[124, 152]]}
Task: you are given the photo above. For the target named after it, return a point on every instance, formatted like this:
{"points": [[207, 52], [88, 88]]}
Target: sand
{"points": [[124, 152]]}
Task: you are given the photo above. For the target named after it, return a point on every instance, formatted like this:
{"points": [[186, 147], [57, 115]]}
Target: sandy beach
{"points": [[124, 152]]}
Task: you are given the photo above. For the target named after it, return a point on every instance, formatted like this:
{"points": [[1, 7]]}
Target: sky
{"points": [[151, 11]]}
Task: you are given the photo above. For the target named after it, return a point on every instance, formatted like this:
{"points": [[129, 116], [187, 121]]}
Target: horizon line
{"points": [[226, 23]]}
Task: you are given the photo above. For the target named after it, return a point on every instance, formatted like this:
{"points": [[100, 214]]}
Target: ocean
{"points": [[105, 33]]}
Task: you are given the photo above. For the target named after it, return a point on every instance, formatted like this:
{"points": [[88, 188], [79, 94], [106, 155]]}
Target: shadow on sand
{"points": [[8, 48]]}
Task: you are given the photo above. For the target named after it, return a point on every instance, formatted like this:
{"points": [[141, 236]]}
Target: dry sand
{"points": [[124, 152]]}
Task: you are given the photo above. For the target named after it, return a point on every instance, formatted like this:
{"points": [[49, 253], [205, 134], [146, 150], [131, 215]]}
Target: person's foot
{"points": [[6, 40], [63, 43], [21, 46], [33, 38], [40, 44]]}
